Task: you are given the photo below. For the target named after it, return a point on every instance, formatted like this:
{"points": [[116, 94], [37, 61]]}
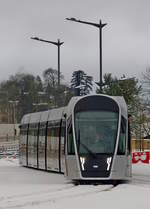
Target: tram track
{"points": [[141, 181], [32, 199], [35, 193]]}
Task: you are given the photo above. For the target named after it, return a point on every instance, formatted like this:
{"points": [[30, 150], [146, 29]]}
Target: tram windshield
{"points": [[96, 132]]}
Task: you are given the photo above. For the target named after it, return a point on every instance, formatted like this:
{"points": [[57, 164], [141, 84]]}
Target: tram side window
{"points": [[70, 141], [122, 138], [42, 131]]}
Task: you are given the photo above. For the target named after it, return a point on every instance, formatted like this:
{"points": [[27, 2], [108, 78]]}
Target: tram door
{"points": [[41, 146], [72, 171], [129, 152], [23, 145], [62, 146], [121, 162], [53, 146], [30, 141]]}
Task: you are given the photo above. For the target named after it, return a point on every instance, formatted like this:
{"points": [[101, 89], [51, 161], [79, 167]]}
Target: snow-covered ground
{"points": [[25, 188]]}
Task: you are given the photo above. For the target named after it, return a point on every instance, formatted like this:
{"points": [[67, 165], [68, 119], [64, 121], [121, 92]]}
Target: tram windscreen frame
{"points": [[96, 126]]}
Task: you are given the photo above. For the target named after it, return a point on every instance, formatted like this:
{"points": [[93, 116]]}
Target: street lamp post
{"points": [[99, 25], [58, 44]]}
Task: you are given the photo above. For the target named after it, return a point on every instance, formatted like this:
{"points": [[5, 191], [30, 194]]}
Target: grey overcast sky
{"points": [[126, 38]]}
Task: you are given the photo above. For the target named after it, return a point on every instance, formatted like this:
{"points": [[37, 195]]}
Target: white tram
{"points": [[87, 140]]}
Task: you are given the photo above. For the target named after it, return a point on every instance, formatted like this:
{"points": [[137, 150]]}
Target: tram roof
{"points": [[49, 115], [118, 99], [57, 113], [121, 102], [25, 119]]}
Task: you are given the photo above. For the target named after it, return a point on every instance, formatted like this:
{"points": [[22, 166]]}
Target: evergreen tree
{"points": [[81, 82], [129, 88]]}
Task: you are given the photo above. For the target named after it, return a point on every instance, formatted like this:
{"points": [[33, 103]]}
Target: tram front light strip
{"points": [[82, 159], [108, 160], [108, 163]]}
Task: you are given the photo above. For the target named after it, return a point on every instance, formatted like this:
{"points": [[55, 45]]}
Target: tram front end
{"points": [[96, 147]]}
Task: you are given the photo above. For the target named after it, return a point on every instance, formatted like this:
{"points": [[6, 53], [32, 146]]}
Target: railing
{"points": [[10, 148]]}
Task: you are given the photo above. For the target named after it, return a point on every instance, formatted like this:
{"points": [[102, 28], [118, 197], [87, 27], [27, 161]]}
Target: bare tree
{"points": [[50, 76]]}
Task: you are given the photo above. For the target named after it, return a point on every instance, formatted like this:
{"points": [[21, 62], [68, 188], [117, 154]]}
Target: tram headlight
{"points": [[108, 162], [82, 160]]}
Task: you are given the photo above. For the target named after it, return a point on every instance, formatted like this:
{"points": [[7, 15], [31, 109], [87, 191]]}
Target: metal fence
{"points": [[10, 148]]}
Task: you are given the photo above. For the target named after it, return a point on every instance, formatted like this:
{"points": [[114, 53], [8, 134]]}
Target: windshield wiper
{"points": [[89, 151], [85, 147]]}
